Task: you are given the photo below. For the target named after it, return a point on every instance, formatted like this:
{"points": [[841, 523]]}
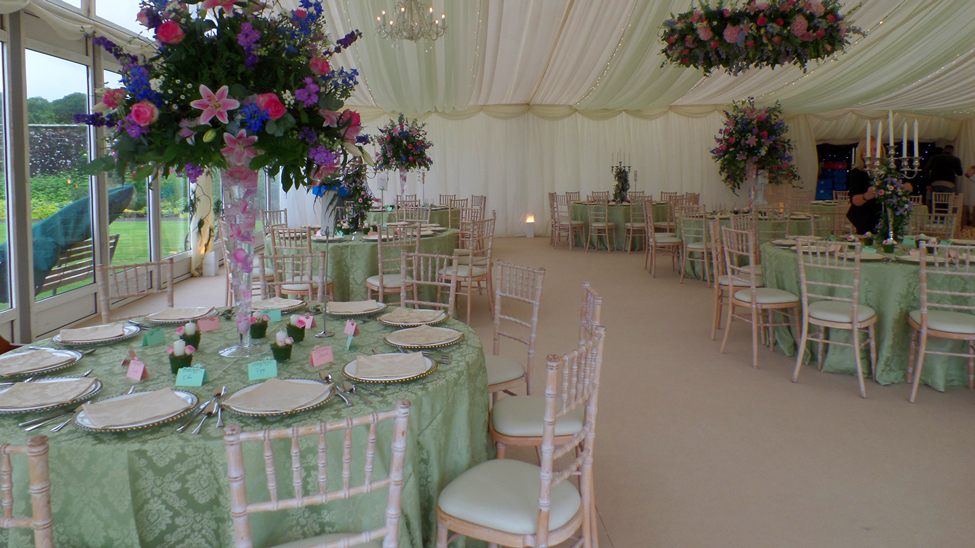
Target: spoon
{"points": [[351, 389], [328, 379]]}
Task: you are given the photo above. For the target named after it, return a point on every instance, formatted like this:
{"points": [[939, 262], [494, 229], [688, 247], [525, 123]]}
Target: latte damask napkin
{"points": [[423, 335], [387, 366], [277, 396], [141, 407], [352, 307], [409, 315], [274, 303], [175, 314], [89, 334], [23, 362], [30, 394]]}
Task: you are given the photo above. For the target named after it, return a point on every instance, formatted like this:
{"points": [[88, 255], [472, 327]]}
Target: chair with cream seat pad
{"points": [[387, 536], [947, 309], [724, 283], [392, 242], [474, 268], [432, 271], [658, 241], [829, 276], [502, 503], [637, 225], [566, 225], [696, 240], [39, 479], [297, 274], [123, 281], [761, 302], [599, 223], [515, 288]]}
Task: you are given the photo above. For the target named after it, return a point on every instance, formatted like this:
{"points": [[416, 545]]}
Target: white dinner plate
{"points": [[350, 373], [95, 387], [129, 331], [73, 354], [310, 405], [82, 421]]}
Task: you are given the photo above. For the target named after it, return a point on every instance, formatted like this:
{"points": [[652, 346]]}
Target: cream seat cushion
{"points": [[725, 279], [838, 311], [750, 267], [945, 320], [464, 271], [697, 246], [523, 415], [637, 225], [767, 295], [663, 238], [503, 494], [501, 369], [602, 225], [332, 537], [389, 280], [302, 285]]}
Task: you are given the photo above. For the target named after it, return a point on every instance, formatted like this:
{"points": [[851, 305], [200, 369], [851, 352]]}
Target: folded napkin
{"points": [[352, 307], [423, 335], [386, 366], [274, 303], [22, 362], [408, 315], [89, 334], [36, 394], [277, 396], [174, 314], [141, 407]]}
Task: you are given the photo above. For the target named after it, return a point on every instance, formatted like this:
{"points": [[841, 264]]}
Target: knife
{"points": [[193, 415]]}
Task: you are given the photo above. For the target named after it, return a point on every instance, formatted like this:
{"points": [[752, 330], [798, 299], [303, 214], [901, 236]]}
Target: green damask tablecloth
{"points": [[352, 261], [892, 290], [619, 214], [159, 488], [438, 216]]}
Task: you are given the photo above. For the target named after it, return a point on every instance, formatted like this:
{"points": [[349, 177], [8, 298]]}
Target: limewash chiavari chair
{"points": [[659, 241], [669, 226], [474, 267], [667, 196], [599, 223], [274, 218], [392, 242], [916, 199], [761, 302], [301, 274], [446, 198], [567, 225], [724, 284], [947, 312], [591, 313], [407, 199], [637, 225], [454, 212], [821, 224], [479, 202], [553, 222], [428, 270], [692, 197], [290, 240], [695, 243], [800, 200], [124, 281], [326, 434], [562, 424], [941, 202], [841, 196], [829, 277], [514, 285], [598, 195], [573, 196], [940, 225], [38, 472], [413, 213], [638, 195]]}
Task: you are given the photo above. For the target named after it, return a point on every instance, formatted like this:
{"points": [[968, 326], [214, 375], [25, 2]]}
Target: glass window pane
{"points": [[128, 210], [122, 13], [4, 236], [57, 89], [174, 217]]}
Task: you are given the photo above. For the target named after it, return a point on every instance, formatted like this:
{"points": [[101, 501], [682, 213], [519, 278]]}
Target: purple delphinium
{"points": [[322, 155], [307, 134], [308, 95]]}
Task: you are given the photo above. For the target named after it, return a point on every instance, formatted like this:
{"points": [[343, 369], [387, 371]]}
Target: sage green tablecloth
{"points": [[158, 488], [438, 216], [619, 214], [892, 290], [352, 261]]}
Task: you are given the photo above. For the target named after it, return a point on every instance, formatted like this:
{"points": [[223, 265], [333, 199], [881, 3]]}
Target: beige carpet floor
{"points": [[697, 449]]}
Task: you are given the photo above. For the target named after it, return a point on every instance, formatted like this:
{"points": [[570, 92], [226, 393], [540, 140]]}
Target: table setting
{"points": [[149, 448]]}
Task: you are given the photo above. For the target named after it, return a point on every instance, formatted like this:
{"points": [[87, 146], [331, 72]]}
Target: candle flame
{"points": [[530, 219]]}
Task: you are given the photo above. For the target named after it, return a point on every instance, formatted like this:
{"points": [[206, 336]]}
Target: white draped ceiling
{"points": [[524, 97]]}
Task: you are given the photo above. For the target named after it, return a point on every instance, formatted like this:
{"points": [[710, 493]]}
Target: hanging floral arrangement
{"points": [[895, 199], [233, 83], [758, 34], [753, 139], [402, 145]]}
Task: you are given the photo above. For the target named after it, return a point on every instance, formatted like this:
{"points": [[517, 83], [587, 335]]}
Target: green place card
{"points": [[868, 250], [909, 242], [348, 343], [192, 376], [153, 337], [274, 315], [262, 369]]}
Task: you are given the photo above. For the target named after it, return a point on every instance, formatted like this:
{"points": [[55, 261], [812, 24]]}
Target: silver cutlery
{"points": [[351, 389], [328, 379], [65, 423], [199, 410], [83, 352], [219, 416], [363, 388], [206, 416], [212, 410]]}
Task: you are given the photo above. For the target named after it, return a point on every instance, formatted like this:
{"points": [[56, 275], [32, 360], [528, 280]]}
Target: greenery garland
{"points": [[754, 137], [758, 34]]}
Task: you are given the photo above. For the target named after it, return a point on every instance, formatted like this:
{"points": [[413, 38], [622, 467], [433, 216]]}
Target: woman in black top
{"points": [[864, 210]]}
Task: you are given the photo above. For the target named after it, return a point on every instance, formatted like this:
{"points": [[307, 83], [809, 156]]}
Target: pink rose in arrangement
{"points": [[143, 18], [144, 113], [111, 100], [271, 103], [731, 33], [169, 33], [815, 7], [798, 26], [319, 66], [704, 33], [761, 21], [354, 122], [714, 45]]}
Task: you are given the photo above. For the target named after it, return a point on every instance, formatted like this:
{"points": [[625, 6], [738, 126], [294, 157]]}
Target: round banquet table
{"points": [[353, 260], [439, 215], [155, 487], [619, 214], [892, 290]]}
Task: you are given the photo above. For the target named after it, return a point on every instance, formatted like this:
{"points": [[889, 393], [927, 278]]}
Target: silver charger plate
{"points": [[454, 340], [181, 321], [349, 371], [227, 404], [439, 319], [129, 332], [74, 354], [81, 420], [381, 307], [95, 387]]}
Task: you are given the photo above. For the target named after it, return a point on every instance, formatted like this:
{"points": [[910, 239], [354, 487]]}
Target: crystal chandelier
{"points": [[411, 21]]}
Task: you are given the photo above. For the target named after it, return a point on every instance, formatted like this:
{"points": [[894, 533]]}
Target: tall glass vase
{"points": [[402, 181], [239, 190]]}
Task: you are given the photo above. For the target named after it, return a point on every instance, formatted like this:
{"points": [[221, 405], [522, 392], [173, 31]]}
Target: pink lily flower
{"points": [[239, 149], [226, 5], [214, 104], [185, 132]]}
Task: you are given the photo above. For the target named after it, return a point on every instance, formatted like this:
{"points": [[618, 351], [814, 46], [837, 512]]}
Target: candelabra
{"points": [[909, 168]]}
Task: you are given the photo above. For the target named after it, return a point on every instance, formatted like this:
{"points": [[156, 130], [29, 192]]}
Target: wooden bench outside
{"points": [[77, 263]]}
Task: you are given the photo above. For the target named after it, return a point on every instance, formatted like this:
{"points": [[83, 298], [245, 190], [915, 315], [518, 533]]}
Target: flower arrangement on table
{"points": [[757, 34], [895, 201], [358, 197], [621, 174], [402, 145], [753, 139]]}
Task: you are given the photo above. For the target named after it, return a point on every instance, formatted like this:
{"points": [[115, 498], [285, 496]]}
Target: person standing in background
{"points": [[942, 169]]}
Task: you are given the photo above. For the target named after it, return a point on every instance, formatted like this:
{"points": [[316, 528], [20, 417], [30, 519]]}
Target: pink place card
{"points": [[208, 324], [351, 328], [137, 371], [321, 355], [308, 319]]}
